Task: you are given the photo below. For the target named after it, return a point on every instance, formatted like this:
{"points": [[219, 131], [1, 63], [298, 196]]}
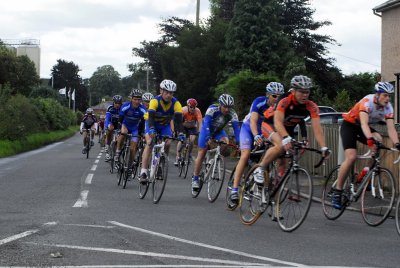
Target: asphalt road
{"points": [[58, 208]]}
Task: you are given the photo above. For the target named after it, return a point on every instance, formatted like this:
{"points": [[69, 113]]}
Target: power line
{"points": [[355, 59]]}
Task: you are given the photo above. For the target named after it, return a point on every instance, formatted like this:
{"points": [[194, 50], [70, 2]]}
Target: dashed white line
{"points": [[96, 161], [89, 178], [93, 167], [82, 201], [89, 225], [208, 246]]}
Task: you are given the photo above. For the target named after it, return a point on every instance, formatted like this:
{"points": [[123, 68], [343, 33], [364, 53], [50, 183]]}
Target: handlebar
{"points": [[303, 146]]}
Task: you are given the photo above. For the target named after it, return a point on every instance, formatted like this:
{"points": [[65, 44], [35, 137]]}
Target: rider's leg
{"points": [[120, 141], [146, 157]]}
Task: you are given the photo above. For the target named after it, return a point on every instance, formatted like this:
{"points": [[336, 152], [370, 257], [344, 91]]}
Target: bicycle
{"points": [[112, 149], [212, 172], [158, 170], [185, 160], [377, 191], [255, 156], [88, 141], [289, 197], [128, 165]]}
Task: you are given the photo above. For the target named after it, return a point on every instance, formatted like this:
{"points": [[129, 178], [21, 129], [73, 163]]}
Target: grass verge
{"points": [[34, 141]]}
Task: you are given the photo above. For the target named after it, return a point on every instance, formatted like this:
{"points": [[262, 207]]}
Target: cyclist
{"points": [[279, 123], [216, 118], [250, 131], [100, 128], [146, 98], [373, 108], [89, 121], [192, 118], [112, 122], [161, 110], [130, 115]]}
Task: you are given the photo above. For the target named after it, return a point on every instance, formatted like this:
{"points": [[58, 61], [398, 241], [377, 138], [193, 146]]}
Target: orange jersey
{"points": [[368, 105], [191, 119]]}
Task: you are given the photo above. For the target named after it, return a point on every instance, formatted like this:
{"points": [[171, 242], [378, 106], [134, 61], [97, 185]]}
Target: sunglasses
{"points": [[274, 96], [190, 107]]}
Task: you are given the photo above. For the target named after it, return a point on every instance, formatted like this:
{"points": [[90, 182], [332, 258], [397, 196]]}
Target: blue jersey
{"points": [[259, 105], [112, 116], [214, 121], [131, 116]]}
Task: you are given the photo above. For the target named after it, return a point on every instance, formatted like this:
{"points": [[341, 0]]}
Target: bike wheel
{"points": [[182, 162], [160, 179], [126, 167], [376, 209], [229, 187], [87, 146], [216, 180], [292, 210], [202, 178], [120, 168], [330, 212], [188, 161], [250, 203], [112, 154], [143, 188], [397, 215]]}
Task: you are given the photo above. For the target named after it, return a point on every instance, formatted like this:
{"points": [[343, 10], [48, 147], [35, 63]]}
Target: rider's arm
{"points": [[364, 119], [392, 130], [236, 130], [253, 123], [318, 133], [279, 118], [108, 119]]}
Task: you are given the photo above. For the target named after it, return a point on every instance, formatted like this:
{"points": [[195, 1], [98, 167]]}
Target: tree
{"points": [[105, 81], [359, 85], [222, 9], [255, 40]]}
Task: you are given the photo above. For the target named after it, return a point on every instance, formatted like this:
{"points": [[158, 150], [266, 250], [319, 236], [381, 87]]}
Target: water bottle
{"points": [[363, 172], [154, 164]]}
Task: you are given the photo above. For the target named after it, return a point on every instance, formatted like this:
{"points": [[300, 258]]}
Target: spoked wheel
{"points": [[397, 215], [250, 203], [292, 210], [216, 179], [229, 204], [112, 154], [188, 161], [330, 212], [160, 179], [377, 198], [143, 188], [182, 162], [126, 168]]}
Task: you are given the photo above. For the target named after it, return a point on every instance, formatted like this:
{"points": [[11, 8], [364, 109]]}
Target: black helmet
{"points": [[117, 99], [136, 93]]}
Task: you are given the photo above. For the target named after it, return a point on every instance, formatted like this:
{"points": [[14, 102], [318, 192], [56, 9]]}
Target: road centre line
{"points": [[151, 254], [82, 200], [89, 225], [18, 236], [96, 161], [89, 178], [207, 246], [94, 167]]}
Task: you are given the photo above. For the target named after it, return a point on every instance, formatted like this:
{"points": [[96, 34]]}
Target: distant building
{"points": [[28, 47], [389, 11]]}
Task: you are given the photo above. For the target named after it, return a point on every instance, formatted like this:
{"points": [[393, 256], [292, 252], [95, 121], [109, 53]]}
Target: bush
{"points": [[245, 86], [57, 116]]}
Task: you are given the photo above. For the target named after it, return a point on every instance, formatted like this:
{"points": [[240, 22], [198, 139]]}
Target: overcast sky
{"points": [[93, 33]]}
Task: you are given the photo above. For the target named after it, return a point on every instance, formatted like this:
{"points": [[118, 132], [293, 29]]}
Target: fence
{"points": [[331, 133]]}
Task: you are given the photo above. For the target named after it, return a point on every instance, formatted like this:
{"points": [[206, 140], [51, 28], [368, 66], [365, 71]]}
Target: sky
{"points": [[93, 33]]}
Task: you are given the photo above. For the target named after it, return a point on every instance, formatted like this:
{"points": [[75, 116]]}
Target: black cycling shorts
{"points": [[351, 133]]}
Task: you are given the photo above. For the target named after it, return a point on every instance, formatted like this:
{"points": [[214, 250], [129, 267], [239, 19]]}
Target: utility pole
{"points": [[197, 12]]}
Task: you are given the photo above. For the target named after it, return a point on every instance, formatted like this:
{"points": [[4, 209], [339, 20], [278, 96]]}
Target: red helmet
{"points": [[191, 102]]}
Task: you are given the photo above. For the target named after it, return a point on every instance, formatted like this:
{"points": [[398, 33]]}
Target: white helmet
{"points": [[147, 96], [226, 100], [168, 85], [275, 88], [384, 87], [301, 82]]}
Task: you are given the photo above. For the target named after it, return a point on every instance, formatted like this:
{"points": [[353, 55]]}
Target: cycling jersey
{"points": [[164, 112], [214, 123], [259, 105], [89, 120], [112, 115], [190, 120], [368, 104], [131, 116]]}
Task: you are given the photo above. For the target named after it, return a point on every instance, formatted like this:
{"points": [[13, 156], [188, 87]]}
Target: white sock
{"points": [[143, 170]]}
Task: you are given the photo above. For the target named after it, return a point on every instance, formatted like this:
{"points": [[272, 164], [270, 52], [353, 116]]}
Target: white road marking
{"points": [[17, 236], [151, 254], [99, 156], [82, 201], [89, 178], [89, 225], [93, 167], [208, 246], [96, 161], [228, 171]]}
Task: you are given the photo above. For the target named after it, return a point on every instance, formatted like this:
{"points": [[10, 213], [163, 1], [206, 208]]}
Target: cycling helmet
{"points": [[384, 87], [275, 88], [168, 85], [89, 111], [117, 99], [301, 82], [147, 96], [136, 93], [226, 100], [191, 103]]}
